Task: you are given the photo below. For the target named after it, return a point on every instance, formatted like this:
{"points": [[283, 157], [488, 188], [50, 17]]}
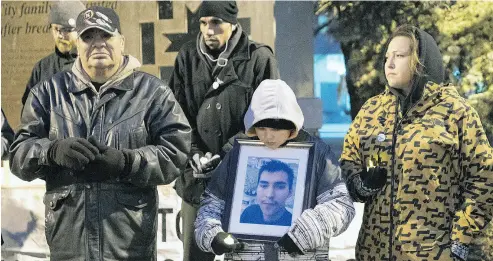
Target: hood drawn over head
{"points": [[430, 65], [273, 99]]}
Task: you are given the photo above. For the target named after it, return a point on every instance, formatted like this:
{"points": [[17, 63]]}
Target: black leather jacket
{"points": [[116, 219]]}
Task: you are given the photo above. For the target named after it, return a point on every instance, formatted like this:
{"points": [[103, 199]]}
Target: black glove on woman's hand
{"points": [[374, 179], [225, 243], [288, 244], [73, 153]]}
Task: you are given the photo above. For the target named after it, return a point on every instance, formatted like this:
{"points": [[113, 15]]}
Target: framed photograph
{"points": [[270, 189]]}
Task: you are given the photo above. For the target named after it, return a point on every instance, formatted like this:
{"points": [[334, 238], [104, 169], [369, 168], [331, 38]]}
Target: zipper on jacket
{"points": [[95, 115], [392, 175], [392, 181]]}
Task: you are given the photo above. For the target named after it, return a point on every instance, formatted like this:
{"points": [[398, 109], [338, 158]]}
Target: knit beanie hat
{"points": [[65, 13], [226, 10]]}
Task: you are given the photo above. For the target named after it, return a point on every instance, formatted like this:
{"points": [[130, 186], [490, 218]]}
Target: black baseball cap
{"points": [[99, 17]]}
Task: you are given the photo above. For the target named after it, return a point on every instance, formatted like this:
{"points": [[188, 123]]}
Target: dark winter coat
{"points": [[216, 114], [114, 219], [47, 67]]}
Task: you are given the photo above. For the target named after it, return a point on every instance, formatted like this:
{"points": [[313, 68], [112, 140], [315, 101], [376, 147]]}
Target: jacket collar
{"points": [[432, 94], [227, 74], [242, 50], [117, 81], [224, 55]]}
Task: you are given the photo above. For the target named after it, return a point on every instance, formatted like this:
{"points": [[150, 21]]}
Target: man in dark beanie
{"points": [[213, 80], [62, 19]]}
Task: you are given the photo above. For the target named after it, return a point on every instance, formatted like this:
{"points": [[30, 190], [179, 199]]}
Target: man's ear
{"points": [[233, 27]]}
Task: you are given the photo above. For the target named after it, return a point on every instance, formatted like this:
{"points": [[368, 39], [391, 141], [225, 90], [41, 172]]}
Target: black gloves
{"points": [[72, 153], [287, 243], [225, 243], [97, 161], [203, 166], [111, 163], [373, 179]]}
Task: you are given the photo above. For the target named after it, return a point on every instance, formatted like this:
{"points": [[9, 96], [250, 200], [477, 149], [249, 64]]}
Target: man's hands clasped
{"points": [[72, 153], [96, 161]]}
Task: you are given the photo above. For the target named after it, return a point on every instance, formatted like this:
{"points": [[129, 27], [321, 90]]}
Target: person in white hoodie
{"points": [[275, 118]]}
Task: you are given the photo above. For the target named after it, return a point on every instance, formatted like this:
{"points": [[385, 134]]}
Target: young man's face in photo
{"points": [[272, 138], [272, 192]]}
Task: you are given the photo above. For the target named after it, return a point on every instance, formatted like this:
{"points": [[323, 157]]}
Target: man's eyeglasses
{"points": [[63, 30]]}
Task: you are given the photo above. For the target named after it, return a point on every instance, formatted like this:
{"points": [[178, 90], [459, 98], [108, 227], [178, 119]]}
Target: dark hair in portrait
{"points": [[274, 166]]}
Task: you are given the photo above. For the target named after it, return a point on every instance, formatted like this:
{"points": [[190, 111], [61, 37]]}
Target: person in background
{"points": [[418, 157], [213, 79], [103, 136], [62, 18], [275, 118]]}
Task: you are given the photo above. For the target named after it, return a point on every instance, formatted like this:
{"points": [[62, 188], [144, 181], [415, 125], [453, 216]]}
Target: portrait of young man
{"points": [[274, 188]]}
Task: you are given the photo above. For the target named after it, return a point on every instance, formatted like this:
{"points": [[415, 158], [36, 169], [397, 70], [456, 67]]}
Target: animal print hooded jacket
{"points": [[439, 190]]}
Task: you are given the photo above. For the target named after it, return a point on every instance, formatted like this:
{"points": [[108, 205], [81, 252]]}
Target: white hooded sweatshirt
{"points": [[334, 210], [273, 99]]}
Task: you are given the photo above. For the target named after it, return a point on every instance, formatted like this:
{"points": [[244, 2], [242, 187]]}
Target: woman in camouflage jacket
{"points": [[418, 157]]}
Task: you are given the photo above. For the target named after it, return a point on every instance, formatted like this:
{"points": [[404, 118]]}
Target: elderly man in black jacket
{"points": [[102, 136], [213, 80], [62, 24]]}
